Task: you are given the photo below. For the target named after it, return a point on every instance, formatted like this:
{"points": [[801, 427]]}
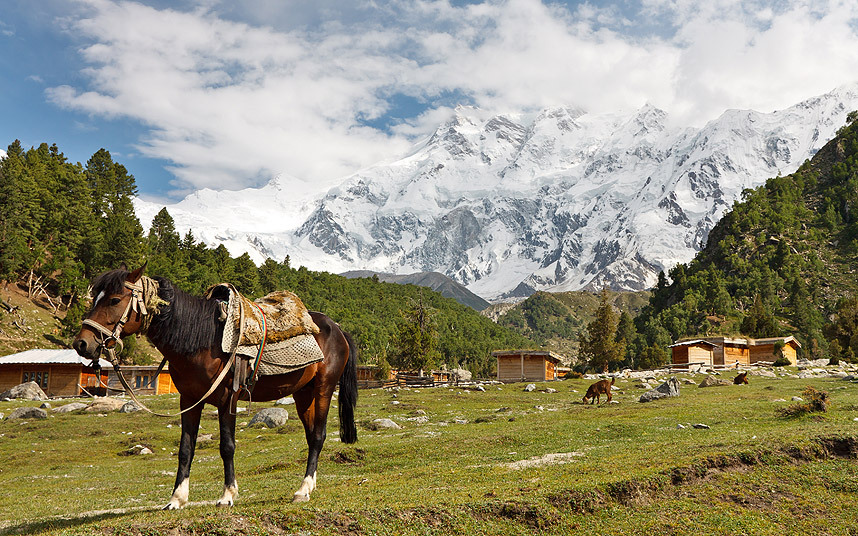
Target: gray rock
{"points": [[101, 405], [667, 389], [464, 375], [204, 438], [712, 381], [550, 390], [797, 399], [285, 401], [28, 413], [2, 416], [384, 424], [138, 450], [45, 405], [25, 391], [270, 417], [74, 406], [530, 387], [480, 388], [680, 427], [762, 372], [130, 407], [701, 426]]}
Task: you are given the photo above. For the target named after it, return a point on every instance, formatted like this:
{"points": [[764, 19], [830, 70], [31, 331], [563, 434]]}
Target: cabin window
{"points": [[142, 381], [40, 378]]}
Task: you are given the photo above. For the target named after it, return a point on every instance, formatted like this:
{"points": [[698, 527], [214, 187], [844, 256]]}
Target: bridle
{"points": [[108, 340]]}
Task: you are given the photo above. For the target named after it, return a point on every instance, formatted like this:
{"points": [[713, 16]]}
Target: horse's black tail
{"points": [[348, 395]]}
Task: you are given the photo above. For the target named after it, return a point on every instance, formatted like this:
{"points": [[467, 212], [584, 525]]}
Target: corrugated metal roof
{"points": [[46, 356], [691, 343]]}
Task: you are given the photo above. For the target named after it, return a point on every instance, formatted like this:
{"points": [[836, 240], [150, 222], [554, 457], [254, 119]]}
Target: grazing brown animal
{"points": [[601, 387], [741, 378]]}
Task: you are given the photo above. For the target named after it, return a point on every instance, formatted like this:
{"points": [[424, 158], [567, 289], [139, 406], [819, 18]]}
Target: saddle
{"points": [[285, 332]]}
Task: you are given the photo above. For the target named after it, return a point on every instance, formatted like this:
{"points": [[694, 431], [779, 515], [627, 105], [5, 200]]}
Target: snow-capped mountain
{"points": [[506, 204]]}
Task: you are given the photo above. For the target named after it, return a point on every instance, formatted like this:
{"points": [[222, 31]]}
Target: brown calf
{"points": [[601, 387]]}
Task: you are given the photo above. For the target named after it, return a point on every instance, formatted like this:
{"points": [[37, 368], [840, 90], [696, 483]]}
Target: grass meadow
{"points": [[503, 461]]}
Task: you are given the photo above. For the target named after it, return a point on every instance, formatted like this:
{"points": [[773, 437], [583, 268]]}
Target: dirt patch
{"points": [[349, 457], [546, 459]]}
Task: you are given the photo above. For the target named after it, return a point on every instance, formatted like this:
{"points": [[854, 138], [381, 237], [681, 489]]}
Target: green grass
{"points": [[752, 472]]}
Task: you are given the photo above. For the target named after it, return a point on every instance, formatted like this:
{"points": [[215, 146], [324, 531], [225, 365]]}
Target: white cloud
{"points": [[230, 103]]}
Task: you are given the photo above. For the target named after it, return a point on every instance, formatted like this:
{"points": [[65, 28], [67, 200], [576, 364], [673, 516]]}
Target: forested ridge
{"points": [[783, 261], [62, 223]]}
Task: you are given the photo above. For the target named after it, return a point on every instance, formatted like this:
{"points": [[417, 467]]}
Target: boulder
{"points": [[712, 381], [383, 424], [74, 406], [285, 401], [130, 407], [137, 450], [530, 387], [667, 389], [762, 372], [270, 417], [25, 391], [45, 405], [105, 404], [28, 413], [463, 374]]}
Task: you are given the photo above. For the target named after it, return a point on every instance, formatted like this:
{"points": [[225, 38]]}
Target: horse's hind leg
{"points": [[227, 453], [313, 411], [190, 427]]}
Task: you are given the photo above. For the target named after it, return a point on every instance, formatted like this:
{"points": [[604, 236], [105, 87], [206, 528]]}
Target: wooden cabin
{"points": [[697, 351], [58, 372], [728, 351], [140, 378], [526, 365]]}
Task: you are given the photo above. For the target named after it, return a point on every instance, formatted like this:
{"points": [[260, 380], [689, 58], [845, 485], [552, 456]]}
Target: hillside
{"points": [[782, 261], [555, 318], [438, 282]]}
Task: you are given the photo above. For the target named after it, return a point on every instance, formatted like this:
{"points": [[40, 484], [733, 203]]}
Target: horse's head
{"points": [[118, 310]]}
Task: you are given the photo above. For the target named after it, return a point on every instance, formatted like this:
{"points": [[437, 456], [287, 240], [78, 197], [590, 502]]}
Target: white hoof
{"points": [[173, 505], [230, 493], [179, 498], [301, 497]]}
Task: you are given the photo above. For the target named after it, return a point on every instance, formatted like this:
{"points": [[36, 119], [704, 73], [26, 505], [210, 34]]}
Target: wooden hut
{"points": [[697, 351], [727, 351], [58, 372], [140, 378], [526, 365]]}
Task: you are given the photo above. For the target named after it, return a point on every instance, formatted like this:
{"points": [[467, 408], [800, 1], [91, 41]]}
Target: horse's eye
{"points": [[115, 301]]}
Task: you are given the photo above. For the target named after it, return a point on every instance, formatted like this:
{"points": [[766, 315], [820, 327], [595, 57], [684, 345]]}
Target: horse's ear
{"points": [[123, 266], [135, 276]]}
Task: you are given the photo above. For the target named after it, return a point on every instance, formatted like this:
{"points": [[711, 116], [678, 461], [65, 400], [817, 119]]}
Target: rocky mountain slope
{"points": [[509, 204]]}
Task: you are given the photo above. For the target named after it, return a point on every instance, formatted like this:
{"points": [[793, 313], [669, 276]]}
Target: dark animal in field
{"points": [[741, 378], [601, 387], [188, 331]]}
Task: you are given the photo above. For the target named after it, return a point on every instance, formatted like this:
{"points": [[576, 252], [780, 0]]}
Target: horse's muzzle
{"points": [[84, 349]]}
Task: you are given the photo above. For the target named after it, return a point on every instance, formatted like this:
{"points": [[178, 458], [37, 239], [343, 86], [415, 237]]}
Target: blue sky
{"points": [[228, 94]]}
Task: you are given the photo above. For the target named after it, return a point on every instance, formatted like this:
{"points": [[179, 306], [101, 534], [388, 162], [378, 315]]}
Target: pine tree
{"points": [[246, 276], [599, 346], [417, 338]]}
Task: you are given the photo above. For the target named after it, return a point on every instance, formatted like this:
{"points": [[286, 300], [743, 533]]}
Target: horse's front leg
{"points": [[190, 427], [227, 453], [313, 411]]}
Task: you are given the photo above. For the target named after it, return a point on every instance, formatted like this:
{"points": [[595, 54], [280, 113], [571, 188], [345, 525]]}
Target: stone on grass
{"points": [[463, 374], [28, 413], [530, 387], [100, 405], [285, 401], [270, 417], [680, 427], [383, 424], [45, 405], [667, 389], [712, 381], [65, 408], [701, 426], [797, 399], [550, 390], [138, 450], [130, 407], [25, 391]]}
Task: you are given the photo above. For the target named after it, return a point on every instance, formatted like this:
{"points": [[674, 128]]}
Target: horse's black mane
{"points": [[187, 324]]}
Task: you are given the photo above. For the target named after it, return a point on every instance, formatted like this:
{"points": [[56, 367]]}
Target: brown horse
{"points": [[187, 331]]}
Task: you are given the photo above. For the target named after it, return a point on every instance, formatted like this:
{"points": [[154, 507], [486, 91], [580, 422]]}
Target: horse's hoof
{"points": [[300, 497], [224, 504], [171, 506]]}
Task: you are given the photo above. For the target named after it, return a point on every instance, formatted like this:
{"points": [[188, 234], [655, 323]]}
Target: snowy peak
{"points": [[511, 203]]}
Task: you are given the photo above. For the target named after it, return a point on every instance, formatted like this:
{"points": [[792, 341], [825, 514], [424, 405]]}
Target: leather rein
{"points": [[109, 340]]}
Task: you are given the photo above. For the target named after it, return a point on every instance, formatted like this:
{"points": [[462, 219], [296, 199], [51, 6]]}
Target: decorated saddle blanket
{"points": [[288, 328]]}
